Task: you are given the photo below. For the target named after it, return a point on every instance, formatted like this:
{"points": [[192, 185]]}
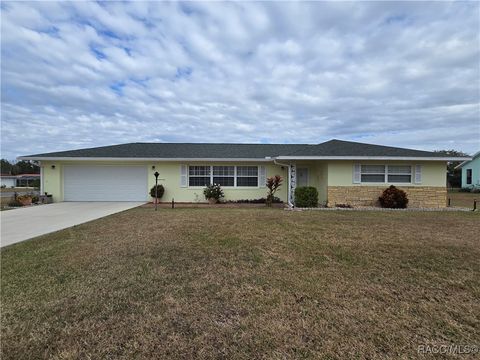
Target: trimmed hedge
{"points": [[306, 196]]}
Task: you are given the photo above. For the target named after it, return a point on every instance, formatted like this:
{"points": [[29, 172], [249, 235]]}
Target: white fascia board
{"points": [[403, 158], [459, 166], [53, 158]]}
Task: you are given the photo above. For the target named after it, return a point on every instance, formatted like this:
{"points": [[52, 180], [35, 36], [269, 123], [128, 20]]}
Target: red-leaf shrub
{"points": [[393, 198]]}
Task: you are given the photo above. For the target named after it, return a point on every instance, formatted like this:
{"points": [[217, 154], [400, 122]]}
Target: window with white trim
{"points": [[198, 175], [247, 176], [372, 173], [399, 173], [224, 175], [203, 175], [386, 173]]}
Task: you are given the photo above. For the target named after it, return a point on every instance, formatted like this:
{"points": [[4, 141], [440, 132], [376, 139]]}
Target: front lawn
{"points": [[244, 284]]}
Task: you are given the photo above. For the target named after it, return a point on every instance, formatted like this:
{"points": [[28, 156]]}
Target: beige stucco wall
{"points": [[340, 173], [170, 173], [169, 177], [322, 174]]}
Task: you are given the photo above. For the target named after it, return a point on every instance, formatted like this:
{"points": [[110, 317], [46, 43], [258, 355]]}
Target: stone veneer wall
{"points": [[418, 196]]}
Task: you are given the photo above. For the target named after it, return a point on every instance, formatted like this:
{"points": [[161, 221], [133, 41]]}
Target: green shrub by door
{"points": [[306, 196]]}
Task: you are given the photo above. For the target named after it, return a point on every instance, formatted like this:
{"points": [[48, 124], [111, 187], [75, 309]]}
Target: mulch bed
{"points": [[182, 205]]}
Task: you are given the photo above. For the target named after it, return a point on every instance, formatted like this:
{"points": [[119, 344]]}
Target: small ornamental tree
{"points": [[393, 198], [160, 191], [273, 184]]}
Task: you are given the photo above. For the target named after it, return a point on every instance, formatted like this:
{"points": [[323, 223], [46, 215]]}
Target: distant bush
{"points": [[472, 189], [275, 200], [306, 196], [160, 191], [344, 206], [393, 198]]}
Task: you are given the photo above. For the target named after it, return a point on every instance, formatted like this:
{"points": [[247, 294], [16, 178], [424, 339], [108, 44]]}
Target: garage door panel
{"points": [[105, 183]]}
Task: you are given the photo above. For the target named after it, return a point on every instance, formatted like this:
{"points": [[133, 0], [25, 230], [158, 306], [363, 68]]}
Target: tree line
{"points": [[19, 167]]}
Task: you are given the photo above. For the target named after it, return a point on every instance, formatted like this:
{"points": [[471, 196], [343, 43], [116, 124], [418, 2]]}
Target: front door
{"points": [[302, 176]]}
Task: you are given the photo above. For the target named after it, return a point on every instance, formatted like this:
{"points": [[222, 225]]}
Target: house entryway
{"points": [[302, 176]]}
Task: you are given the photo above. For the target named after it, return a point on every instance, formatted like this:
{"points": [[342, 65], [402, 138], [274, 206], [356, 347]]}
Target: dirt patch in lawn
{"points": [[244, 284]]}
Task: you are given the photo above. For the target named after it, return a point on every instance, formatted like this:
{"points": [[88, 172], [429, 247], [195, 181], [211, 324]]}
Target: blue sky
{"points": [[82, 74]]}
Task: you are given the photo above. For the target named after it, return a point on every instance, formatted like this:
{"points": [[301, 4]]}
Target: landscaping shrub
{"points": [[465, 190], [213, 193], [160, 191], [393, 198], [306, 196]]}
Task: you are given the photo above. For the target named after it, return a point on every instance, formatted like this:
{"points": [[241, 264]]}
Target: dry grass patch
{"points": [[243, 284], [461, 199]]}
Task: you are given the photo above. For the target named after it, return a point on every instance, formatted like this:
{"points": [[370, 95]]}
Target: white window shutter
{"points": [[418, 174], [183, 176], [262, 176], [356, 174]]}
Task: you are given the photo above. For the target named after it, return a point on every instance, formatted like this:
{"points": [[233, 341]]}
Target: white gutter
{"points": [[288, 183], [415, 158]]}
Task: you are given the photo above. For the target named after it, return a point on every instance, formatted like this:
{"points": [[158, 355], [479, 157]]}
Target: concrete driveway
{"points": [[28, 222]]}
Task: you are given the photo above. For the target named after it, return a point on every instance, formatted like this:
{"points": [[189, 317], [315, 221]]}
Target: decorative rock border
{"points": [[372, 208]]}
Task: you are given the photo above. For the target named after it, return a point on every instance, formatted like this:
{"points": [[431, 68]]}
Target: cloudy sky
{"points": [[84, 74]]}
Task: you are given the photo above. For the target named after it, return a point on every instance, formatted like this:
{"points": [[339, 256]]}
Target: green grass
{"points": [[243, 284]]}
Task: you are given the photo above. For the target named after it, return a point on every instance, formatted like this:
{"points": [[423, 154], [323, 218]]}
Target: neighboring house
{"points": [[22, 180], [343, 172], [471, 171], [8, 180]]}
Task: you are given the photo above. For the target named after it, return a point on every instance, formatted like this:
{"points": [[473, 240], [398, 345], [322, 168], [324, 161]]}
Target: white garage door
{"points": [[105, 183]]}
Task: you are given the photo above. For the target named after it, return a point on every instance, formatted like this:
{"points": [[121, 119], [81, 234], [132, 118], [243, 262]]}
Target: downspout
{"points": [[289, 176]]}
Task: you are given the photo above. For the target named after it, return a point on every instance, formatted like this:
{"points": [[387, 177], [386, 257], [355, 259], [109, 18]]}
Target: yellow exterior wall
{"points": [[340, 173], [322, 174], [52, 179], [169, 177]]}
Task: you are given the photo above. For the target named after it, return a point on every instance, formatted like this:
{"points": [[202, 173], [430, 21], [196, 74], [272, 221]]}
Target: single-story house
{"points": [[344, 172], [22, 180], [7, 180], [471, 171]]}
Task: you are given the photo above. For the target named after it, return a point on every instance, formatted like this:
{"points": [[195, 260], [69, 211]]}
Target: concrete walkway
{"points": [[28, 222]]}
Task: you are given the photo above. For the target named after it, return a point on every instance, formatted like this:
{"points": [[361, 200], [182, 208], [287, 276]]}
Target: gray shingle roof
{"points": [[350, 148], [235, 151]]}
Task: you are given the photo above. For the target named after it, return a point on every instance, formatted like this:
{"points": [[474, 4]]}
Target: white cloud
{"points": [[83, 74]]}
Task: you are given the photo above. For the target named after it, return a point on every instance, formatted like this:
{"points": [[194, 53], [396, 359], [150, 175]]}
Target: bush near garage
{"points": [[160, 191]]}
